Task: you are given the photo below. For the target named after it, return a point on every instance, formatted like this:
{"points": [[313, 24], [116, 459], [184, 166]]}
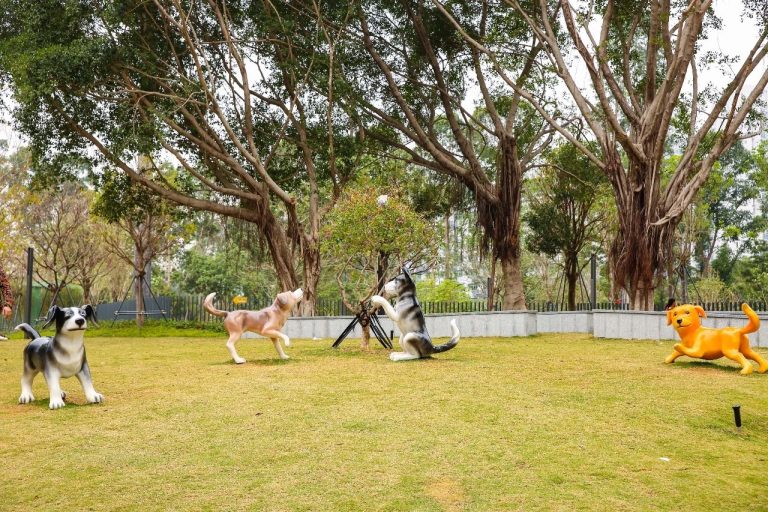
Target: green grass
{"points": [[552, 422], [152, 328]]}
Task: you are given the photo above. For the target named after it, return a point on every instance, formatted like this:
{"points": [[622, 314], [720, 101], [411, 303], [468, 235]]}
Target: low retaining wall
{"points": [[652, 325], [507, 323], [645, 325]]}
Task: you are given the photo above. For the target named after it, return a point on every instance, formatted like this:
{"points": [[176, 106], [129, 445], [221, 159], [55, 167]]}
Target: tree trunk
{"points": [[638, 249], [365, 327], [447, 225], [87, 287], [571, 276], [279, 250], [138, 293], [311, 255], [492, 287], [504, 224], [512, 280], [140, 263], [382, 266]]}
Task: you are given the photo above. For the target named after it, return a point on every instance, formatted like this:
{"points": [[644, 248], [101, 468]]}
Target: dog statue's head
{"points": [[400, 284], [286, 300], [71, 319], [685, 316]]}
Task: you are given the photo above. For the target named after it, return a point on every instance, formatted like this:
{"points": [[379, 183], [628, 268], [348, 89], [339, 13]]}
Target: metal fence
{"points": [[189, 308]]}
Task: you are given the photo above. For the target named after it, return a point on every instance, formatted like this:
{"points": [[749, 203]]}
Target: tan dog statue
{"points": [[706, 343], [267, 322]]}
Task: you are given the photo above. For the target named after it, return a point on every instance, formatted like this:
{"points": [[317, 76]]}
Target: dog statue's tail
{"points": [[754, 321], [453, 341], [29, 331], [208, 305]]}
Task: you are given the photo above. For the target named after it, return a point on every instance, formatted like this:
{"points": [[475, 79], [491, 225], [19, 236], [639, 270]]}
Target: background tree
{"points": [[638, 65], [447, 290], [569, 210], [56, 224], [228, 92], [410, 93], [153, 226], [734, 223], [366, 239]]}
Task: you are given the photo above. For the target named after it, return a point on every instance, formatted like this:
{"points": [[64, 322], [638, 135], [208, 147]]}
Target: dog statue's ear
{"points": [[90, 314], [53, 312], [669, 316], [700, 311]]}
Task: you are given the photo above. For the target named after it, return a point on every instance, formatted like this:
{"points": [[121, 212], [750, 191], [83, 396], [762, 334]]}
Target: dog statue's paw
{"points": [[26, 398], [378, 300], [95, 398], [746, 370], [239, 360], [287, 342], [56, 403], [678, 347], [285, 357]]}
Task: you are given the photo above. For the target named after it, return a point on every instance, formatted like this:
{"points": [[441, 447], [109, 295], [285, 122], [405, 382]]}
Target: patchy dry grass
{"points": [[554, 422]]}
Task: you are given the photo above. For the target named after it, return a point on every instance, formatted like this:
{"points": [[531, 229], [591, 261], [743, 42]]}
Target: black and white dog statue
{"points": [[59, 357], [407, 315]]}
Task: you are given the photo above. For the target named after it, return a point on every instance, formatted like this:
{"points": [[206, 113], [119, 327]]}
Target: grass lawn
{"points": [[551, 422]]}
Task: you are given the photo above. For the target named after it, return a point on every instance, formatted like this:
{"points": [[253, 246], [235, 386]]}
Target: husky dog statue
{"points": [[407, 315]]}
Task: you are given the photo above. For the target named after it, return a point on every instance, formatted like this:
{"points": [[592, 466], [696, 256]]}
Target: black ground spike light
{"points": [[365, 317]]}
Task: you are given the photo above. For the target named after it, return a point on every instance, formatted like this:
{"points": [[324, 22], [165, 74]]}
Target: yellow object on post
{"points": [[705, 343], [239, 299]]}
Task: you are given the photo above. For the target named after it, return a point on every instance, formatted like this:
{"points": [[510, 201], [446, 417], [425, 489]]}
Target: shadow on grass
{"points": [[42, 404], [709, 365], [255, 362]]}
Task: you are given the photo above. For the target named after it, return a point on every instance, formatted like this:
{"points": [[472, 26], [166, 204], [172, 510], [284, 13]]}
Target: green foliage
{"points": [[359, 228], [712, 289], [564, 198], [448, 290], [364, 240], [225, 272], [729, 226]]}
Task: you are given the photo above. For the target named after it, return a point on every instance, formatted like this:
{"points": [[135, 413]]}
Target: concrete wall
{"points": [[645, 325], [651, 325], [571, 321], [510, 323]]}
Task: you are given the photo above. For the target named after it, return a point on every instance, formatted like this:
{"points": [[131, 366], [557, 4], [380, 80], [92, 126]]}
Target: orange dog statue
{"points": [[706, 343]]}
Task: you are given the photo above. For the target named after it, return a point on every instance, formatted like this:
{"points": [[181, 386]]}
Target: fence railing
{"points": [[189, 308]]}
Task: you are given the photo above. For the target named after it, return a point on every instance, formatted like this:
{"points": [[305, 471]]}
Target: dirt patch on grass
{"points": [[448, 493]]}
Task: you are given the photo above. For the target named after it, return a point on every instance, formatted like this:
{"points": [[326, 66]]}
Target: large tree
{"points": [[567, 211], [152, 225], [226, 91], [732, 227], [642, 60], [407, 73]]}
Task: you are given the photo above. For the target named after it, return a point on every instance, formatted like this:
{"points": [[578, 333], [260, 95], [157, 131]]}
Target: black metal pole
{"points": [[737, 417], [593, 276], [346, 331], [28, 302]]}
